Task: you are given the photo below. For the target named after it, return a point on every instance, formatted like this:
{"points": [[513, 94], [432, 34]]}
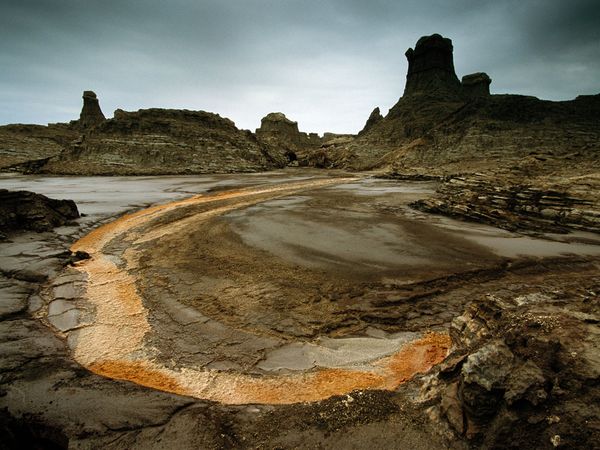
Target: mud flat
{"points": [[292, 309]]}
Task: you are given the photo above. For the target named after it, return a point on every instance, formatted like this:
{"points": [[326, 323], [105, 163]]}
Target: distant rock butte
{"points": [[281, 135], [443, 126], [431, 67], [476, 85], [91, 114]]}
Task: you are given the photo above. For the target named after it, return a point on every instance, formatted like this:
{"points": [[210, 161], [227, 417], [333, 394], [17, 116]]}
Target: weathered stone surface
{"points": [[527, 363], [282, 137], [431, 67], [163, 141], [91, 114], [476, 85], [511, 204], [23, 210], [489, 366], [374, 118]]}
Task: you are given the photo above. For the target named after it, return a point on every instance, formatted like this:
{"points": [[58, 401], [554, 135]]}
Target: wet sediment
{"points": [[266, 331]]}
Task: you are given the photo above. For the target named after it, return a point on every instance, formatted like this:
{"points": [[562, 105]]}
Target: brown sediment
{"points": [[388, 373], [96, 239], [138, 372], [114, 345], [417, 357]]}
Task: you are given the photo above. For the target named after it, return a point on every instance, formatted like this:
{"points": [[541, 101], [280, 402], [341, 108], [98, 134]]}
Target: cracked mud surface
{"points": [[365, 274]]}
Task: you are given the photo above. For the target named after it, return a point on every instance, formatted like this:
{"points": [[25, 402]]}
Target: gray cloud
{"points": [[324, 63]]}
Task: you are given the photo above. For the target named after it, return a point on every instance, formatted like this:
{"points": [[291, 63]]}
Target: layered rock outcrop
{"points": [[24, 210], [282, 136], [523, 372], [150, 141], [163, 141], [374, 118], [476, 85], [29, 143], [431, 67], [442, 126], [517, 205]]}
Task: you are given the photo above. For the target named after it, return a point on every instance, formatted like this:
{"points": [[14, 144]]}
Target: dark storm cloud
{"points": [[324, 63]]}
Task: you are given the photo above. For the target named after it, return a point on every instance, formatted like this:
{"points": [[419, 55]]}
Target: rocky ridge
{"points": [[149, 141], [152, 141]]}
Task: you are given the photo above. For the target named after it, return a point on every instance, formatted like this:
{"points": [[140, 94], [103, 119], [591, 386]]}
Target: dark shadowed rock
{"points": [[24, 210], [281, 135], [91, 114], [476, 85], [431, 67], [374, 118]]}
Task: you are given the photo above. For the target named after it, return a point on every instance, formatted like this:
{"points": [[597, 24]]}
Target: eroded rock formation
{"points": [[524, 371], [442, 126], [476, 85], [374, 118], [281, 135], [517, 205], [91, 114], [431, 67]]}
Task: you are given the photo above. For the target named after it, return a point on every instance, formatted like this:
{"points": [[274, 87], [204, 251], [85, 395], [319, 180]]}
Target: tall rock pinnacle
{"points": [[431, 67], [91, 114]]}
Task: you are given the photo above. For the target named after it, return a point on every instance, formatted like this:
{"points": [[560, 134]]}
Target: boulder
{"points": [[24, 210]]}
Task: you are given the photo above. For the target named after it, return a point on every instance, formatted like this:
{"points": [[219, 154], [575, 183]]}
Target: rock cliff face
{"points": [[162, 141], [91, 114], [24, 210]]}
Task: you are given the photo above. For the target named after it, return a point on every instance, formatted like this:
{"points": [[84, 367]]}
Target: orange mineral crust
{"points": [[114, 344], [231, 388]]}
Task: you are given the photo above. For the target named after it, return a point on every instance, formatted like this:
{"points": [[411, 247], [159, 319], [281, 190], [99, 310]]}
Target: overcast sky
{"points": [[324, 63]]}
